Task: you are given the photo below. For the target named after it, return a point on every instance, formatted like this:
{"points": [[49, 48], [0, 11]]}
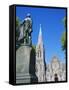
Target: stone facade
{"points": [[56, 71]]}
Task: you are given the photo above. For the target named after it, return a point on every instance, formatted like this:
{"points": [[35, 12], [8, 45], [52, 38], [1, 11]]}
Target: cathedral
{"points": [[54, 71]]}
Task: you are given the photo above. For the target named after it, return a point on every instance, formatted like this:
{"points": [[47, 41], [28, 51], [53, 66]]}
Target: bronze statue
{"points": [[26, 31]]}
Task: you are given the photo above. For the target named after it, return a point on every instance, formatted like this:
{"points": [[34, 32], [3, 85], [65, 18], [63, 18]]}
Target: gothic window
{"points": [[40, 53]]}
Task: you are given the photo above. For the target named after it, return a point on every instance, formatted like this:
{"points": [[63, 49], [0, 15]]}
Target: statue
{"points": [[26, 31]]}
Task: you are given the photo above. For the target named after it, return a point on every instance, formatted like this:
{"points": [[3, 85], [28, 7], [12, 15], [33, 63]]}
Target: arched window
{"points": [[37, 53], [40, 53]]}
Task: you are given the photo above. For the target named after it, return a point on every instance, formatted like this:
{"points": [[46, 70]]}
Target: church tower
{"points": [[40, 58]]}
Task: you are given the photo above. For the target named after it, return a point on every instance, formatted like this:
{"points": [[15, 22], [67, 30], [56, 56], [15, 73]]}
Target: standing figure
{"points": [[27, 24], [25, 30]]}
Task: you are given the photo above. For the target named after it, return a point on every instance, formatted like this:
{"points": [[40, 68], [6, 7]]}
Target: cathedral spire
{"points": [[40, 58], [40, 36], [40, 33]]}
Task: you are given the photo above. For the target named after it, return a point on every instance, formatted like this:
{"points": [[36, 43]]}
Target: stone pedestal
{"points": [[23, 66]]}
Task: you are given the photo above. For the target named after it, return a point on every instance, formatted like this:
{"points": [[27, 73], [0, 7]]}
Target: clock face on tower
{"points": [[55, 64]]}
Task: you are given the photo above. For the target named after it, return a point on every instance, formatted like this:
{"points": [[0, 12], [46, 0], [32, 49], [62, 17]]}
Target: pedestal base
{"points": [[25, 65], [21, 78]]}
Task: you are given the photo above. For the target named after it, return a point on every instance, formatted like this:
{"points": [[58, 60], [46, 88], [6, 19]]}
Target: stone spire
{"points": [[40, 58], [40, 36]]}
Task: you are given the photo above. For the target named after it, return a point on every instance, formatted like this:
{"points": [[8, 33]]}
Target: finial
{"points": [[40, 25], [40, 30]]}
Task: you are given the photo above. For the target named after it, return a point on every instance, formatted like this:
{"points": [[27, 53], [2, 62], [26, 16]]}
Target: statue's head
{"points": [[28, 15]]}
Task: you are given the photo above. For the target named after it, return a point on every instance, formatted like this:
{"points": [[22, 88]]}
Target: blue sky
{"points": [[52, 28]]}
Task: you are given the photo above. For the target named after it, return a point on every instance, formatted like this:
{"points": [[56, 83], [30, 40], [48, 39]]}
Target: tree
{"points": [[17, 24], [34, 47], [63, 41], [63, 37], [64, 21], [17, 32]]}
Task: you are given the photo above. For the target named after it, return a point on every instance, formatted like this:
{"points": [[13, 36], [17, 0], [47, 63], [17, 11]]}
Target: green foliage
{"points": [[17, 24], [33, 47], [63, 37], [17, 21], [17, 32], [63, 41]]}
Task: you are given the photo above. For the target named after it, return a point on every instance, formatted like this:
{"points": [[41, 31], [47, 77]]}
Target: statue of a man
{"points": [[27, 29]]}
